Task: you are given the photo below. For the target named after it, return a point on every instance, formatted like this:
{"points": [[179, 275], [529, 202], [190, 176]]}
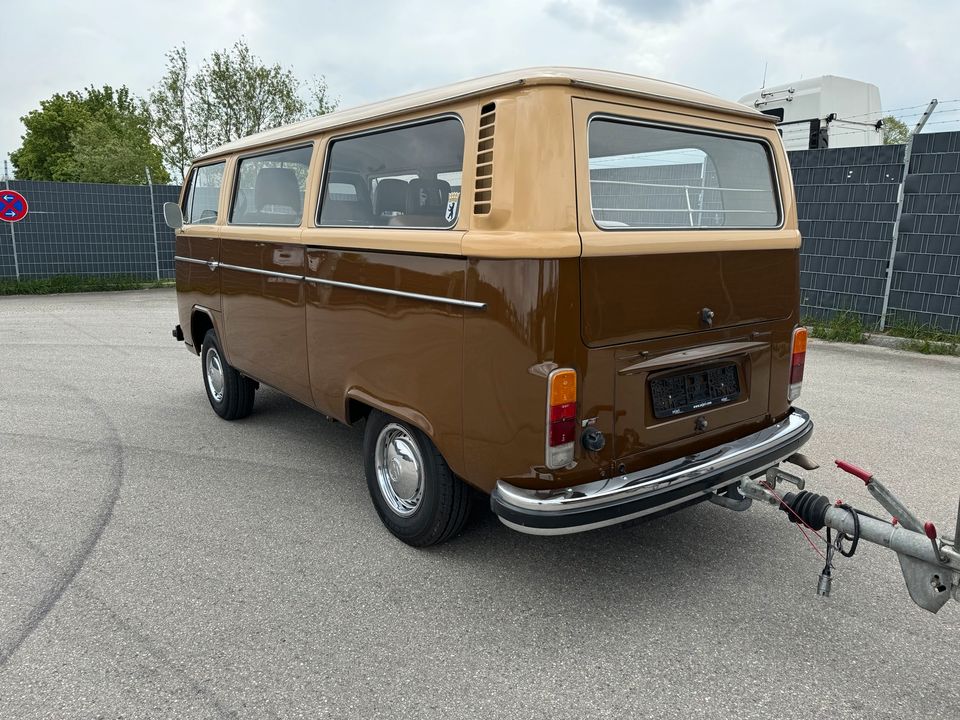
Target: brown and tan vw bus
{"points": [[573, 290]]}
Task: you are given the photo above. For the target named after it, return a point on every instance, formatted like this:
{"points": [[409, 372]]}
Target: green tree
{"points": [[106, 154], [232, 94], [66, 139], [895, 132]]}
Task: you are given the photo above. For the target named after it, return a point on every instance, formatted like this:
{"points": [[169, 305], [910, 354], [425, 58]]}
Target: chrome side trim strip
{"points": [[213, 265], [659, 478], [258, 271], [398, 293]]}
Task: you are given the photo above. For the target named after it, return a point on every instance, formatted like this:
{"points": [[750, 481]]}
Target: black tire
{"points": [[444, 502], [237, 392]]}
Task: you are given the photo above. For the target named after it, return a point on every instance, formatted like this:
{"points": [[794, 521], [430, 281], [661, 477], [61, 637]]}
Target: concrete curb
{"points": [[888, 341]]}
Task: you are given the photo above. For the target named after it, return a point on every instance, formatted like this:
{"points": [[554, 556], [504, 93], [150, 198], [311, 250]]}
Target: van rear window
{"points": [[644, 176], [407, 176]]}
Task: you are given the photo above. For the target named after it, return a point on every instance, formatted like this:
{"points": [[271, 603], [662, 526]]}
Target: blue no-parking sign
{"points": [[13, 206]]}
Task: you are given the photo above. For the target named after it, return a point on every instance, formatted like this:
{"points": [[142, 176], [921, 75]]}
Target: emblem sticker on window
{"points": [[453, 201]]}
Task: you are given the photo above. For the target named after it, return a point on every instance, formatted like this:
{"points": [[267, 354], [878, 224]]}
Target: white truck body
{"points": [[848, 110]]}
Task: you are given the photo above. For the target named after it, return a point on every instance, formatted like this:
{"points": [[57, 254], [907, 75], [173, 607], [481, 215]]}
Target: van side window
{"points": [[270, 187], [405, 177], [203, 195], [644, 176]]}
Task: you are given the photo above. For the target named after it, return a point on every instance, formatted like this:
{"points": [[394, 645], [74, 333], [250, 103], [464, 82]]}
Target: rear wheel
{"points": [[413, 489], [230, 393]]}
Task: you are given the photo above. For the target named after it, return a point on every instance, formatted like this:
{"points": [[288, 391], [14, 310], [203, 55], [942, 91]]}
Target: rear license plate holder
{"points": [[687, 391]]}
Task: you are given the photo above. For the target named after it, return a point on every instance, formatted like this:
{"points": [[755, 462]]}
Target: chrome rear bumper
{"points": [[652, 490]]}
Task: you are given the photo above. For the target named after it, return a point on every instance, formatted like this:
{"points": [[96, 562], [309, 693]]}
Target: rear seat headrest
{"points": [[390, 196], [427, 196], [277, 186]]}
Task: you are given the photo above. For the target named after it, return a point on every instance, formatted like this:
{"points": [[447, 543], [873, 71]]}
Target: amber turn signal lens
{"points": [[799, 340], [798, 356], [563, 387]]}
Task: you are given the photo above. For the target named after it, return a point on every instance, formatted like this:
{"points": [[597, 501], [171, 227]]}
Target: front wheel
{"points": [[413, 489], [230, 393]]}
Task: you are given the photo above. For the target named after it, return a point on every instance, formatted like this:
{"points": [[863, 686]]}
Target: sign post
{"points": [[13, 209], [153, 219]]}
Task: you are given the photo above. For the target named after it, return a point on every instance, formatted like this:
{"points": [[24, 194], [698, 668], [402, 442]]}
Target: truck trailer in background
{"points": [[827, 111]]}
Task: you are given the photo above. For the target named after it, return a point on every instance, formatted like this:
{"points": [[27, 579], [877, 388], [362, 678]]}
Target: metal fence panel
{"points": [[926, 277], [847, 204], [88, 229]]}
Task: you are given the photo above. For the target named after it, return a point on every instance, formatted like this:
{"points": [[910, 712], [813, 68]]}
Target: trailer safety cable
{"points": [[854, 540]]}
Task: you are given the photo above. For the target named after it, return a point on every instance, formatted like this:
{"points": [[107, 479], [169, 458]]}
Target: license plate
{"points": [[687, 392]]}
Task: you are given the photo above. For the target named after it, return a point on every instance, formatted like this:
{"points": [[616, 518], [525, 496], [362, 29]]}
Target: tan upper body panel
{"points": [[539, 205]]}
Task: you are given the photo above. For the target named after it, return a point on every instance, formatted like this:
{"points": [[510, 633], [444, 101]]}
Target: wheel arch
{"points": [[358, 404], [203, 319]]}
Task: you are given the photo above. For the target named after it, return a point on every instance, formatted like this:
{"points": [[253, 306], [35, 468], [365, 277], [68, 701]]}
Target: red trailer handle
{"points": [[856, 471]]}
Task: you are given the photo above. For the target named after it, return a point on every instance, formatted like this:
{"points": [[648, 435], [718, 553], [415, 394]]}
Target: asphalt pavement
{"points": [[156, 561]]}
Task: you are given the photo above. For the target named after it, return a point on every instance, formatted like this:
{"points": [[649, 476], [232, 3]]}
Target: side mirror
{"points": [[172, 215]]}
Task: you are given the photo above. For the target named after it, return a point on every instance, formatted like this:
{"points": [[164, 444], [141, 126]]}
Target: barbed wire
{"points": [[887, 113], [953, 111]]}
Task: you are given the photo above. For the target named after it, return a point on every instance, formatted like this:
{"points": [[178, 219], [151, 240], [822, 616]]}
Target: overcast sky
{"points": [[370, 50]]}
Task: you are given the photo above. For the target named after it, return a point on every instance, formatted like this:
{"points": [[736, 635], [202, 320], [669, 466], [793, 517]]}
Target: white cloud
{"points": [[375, 49]]}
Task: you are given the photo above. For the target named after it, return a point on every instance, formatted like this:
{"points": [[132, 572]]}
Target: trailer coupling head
{"points": [[930, 563]]}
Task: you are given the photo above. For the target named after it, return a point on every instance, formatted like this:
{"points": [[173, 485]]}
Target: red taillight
{"points": [[561, 417], [561, 432], [567, 411], [798, 356], [796, 368]]}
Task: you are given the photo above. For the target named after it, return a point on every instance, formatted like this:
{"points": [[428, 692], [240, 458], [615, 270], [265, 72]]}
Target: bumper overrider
{"points": [[650, 491]]}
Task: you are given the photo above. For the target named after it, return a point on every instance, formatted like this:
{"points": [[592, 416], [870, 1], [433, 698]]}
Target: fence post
{"points": [[153, 219], [907, 150], [13, 234]]}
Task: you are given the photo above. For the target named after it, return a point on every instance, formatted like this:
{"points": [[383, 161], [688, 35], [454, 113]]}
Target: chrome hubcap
{"points": [[214, 374], [399, 470]]}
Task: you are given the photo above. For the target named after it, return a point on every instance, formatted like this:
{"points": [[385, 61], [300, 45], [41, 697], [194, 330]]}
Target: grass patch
{"points": [[77, 283], [844, 326], [931, 348], [916, 331], [925, 339]]}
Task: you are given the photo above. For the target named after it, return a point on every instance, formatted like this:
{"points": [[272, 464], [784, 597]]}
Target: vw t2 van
{"points": [[573, 291]]}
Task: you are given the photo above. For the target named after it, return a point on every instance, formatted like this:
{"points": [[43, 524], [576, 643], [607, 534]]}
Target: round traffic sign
{"points": [[13, 206]]}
